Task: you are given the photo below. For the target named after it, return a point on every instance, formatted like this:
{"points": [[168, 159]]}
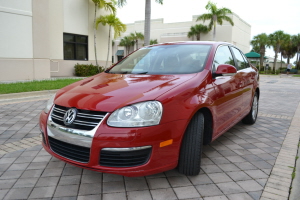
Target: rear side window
{"points": [[223, 56], [242, 63]]}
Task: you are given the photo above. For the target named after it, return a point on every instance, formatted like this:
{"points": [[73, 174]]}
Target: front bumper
{"points": [[116, 139]]}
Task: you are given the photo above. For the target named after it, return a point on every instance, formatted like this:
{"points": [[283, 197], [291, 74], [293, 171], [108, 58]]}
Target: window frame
{"points": [[232, 55], [236, 60], [75, 46]]}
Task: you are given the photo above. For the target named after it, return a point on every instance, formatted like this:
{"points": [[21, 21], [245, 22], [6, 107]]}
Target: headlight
{"points": [[137, 115], [49, 104]]}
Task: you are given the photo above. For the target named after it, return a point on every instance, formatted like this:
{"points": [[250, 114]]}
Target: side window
{"points": [[223, 56], [241, 62], [246, 60]]}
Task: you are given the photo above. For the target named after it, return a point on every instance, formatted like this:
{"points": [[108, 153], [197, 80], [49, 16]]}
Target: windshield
{"points": [[165, 59]]}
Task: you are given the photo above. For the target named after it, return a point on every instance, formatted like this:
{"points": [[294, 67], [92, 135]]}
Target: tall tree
{"points": [[276, 40], [215, 16], [197, 30], [296, 41], [147, 17], [127, 42], [136, 36], [261, 42], [288, 49], [113, 22], [98, 5]]}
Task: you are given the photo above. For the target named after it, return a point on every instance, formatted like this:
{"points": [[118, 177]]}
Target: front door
{"points": [[228, 99]]}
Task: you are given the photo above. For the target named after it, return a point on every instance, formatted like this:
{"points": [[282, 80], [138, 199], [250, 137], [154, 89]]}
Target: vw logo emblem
{"points": [[70, 116]]}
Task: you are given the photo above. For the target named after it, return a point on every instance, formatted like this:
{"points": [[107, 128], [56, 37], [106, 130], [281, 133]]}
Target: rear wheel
{"points": [[191, 147], [252, 115]]}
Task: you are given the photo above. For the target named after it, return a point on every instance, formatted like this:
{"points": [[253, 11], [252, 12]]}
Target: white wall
{"points": [[16, 29], [76, 16]]}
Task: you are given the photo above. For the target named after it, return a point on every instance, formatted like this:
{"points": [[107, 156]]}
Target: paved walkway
{"points": [[247, 162]]}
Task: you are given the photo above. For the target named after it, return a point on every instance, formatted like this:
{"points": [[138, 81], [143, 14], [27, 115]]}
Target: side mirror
{"points": [[224, 69]]}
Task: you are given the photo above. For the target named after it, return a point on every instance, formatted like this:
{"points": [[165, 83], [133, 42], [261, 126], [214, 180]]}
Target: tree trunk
{"points": [[281, 61], [298, 59], [261, 59], [95, 49], [147, 22], [215, 25], [275, 59], [109, 30], [198, 37], [136, 44]]}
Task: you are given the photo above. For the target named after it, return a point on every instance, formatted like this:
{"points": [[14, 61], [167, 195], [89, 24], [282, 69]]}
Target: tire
{"points": [[191, 147], [251, 117]]}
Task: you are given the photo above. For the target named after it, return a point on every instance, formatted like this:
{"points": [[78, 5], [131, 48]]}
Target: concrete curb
{"points": [[25, 96], [280, 179]]}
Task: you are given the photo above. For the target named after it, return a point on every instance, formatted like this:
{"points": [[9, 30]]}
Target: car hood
{"points": [[108, 92]]}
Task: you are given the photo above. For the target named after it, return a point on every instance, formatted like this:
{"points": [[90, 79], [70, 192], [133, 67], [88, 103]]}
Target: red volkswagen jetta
{"points": [[154, 110]]}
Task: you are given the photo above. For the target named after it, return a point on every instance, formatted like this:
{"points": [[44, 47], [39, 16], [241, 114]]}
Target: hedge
{"points": [[87, 70]]}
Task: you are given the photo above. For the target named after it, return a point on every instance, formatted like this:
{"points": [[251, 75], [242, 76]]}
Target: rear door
{"points": [[246, 78]]}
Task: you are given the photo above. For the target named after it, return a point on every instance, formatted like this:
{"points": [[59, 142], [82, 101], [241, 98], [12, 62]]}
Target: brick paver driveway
{"points": [[235, 166]]}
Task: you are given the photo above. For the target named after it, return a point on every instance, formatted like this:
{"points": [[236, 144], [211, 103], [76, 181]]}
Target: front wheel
{"points": [[191, 147], [251, 117]]}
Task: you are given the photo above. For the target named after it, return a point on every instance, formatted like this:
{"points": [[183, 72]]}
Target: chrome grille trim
{"points": [[72, 135], [85, 119]]}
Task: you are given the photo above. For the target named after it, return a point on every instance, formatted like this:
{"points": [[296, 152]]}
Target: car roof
{"points": [[214, 43]]}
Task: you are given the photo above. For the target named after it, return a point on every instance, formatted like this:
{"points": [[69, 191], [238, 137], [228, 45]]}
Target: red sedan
{"points": [[154, 110]]}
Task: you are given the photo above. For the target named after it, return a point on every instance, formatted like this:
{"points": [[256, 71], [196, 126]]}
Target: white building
{"points": [[239, 34], [44, 38]]}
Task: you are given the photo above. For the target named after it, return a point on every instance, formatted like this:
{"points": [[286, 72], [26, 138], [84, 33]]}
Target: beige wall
{"points": [[16, 29], [239, 34], [32, 40], [24, 49], [60, 67]]}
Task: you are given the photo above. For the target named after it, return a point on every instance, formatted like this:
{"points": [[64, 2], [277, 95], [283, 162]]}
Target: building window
{"points": [[75, 47]]}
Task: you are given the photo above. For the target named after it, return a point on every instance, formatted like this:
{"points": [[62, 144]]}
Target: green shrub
{"points": [[87, 70]]}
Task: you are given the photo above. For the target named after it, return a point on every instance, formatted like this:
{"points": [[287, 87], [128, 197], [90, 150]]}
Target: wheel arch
{"points": [[257, 90], [208, 125]]}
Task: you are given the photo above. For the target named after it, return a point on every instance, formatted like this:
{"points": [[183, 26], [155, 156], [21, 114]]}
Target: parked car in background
{"points": [[154, 110]]}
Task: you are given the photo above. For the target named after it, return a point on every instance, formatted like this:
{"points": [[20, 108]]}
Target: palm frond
{"points": [[159, 1]]}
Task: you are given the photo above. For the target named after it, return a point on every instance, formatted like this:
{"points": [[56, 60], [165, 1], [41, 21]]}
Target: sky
{"points": [[264, 16]]}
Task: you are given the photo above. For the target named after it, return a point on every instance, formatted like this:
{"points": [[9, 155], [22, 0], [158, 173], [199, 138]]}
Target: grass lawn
{"points": [[298, 75], [6, 88]]}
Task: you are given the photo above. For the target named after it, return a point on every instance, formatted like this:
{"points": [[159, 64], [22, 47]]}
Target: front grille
{"points": [[85, 119], [124, 158], [70, 151]]}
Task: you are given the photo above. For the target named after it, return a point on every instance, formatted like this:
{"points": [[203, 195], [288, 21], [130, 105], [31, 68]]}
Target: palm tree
{"points": [[136, 36], [215, 16], [127, 42], [276, 40], [261, 42], [98, 5], [147, 17], [296, 41], [153, 42], [288, 49], [196, 30], [113, 22]]}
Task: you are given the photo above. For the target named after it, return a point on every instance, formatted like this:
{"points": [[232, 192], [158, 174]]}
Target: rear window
{"points": [[165, 59]]}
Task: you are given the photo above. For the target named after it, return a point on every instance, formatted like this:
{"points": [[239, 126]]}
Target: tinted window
{"points": [[166, 59], [241, 62], [75, 47], [223, 56]]}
